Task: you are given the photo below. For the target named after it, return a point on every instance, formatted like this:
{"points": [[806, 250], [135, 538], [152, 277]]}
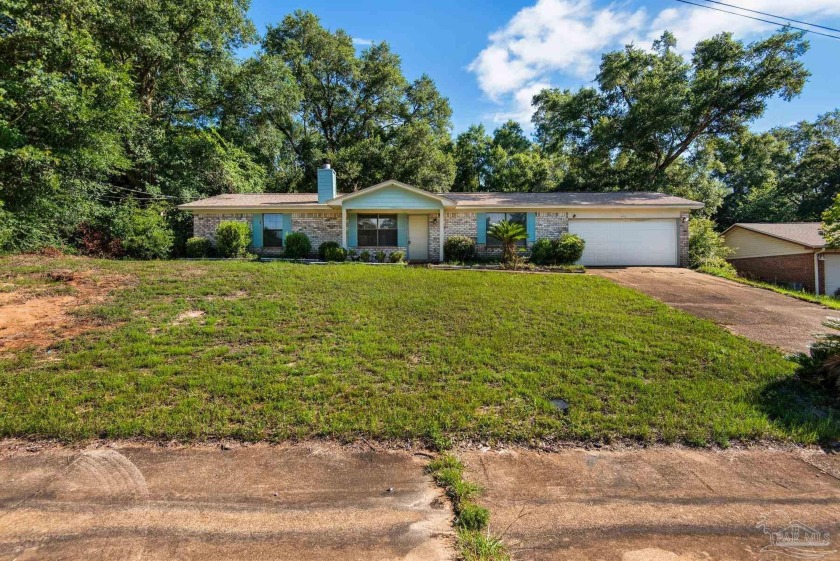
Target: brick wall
{"points": [[434, 238], [548, 225], [551, 225], [204, 225], [780, 269], [319, 227], [683, 239]]}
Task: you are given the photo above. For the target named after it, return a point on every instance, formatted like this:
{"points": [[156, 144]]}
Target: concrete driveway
{"points": [[761, 315], [661, 504], [314, 501]]}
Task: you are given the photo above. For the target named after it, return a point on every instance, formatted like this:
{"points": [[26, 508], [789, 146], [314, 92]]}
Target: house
{"points": [[791, 253], [623, 228]]}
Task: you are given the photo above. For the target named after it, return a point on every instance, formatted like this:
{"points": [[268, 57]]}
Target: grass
{"points": [[201, 350], [827, 301], [475, 542]]}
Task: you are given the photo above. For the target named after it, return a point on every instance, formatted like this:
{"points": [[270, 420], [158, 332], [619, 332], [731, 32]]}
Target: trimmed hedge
{"points": [[297, 245]]}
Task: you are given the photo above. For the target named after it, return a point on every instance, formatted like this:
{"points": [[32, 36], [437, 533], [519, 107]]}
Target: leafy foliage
{"points": [[508, 233], [143, 233], [565, 250], [297, 245], [324, 247], [335, 253], [397, 257], [198, 247], [232, 238], [458, 248], [706, 246], [821, 367]]}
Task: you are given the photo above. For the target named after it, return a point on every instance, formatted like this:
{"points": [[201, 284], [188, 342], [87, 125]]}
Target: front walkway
{"points": [[762, 315]]}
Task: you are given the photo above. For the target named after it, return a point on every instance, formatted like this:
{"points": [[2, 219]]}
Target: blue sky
{"points": [[489, 58]]}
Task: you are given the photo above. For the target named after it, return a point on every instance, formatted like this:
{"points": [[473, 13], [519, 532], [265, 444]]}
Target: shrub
{"points": [[198, 247], [232, 239], [322, 249], [472, 517], [380, 256], [397, 256], [705, 246], [821, 367], [95, 240], [542, 252], [364, 256], [353, 255], [337, 253], [458, 248], [566, 250], [298, 245], [508, 233], [569, 249], [143, 232]]}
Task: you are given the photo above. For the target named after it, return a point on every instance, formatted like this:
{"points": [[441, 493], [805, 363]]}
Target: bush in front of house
{"points": [[324, 247], [336, 253], [706, 249], [569, 249], [458, 248], [143, 232], [381, 256], [821, 367], [364, 256], [397, 257], [198, 247], [297, 245], [565, 250], [232, 238]]}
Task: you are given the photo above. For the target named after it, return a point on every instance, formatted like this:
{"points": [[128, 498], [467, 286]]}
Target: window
{"points": [[377, 230], [496, 217], [272, 230]]}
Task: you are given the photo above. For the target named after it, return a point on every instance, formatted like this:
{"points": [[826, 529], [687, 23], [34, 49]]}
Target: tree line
{"points": [[116, 109]]}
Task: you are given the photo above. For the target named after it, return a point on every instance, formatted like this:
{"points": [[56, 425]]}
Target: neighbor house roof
{"points": [[256, 201], [808, 234]]}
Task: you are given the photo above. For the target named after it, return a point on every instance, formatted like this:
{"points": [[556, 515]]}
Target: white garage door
{"points": [[614, 242], [832, 273]]}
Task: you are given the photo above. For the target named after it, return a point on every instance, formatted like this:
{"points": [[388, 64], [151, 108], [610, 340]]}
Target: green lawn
{"points": [[285, 351]]}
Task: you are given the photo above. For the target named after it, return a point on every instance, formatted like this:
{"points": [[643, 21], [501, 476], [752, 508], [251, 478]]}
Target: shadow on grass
{"points": [[803, 410]]}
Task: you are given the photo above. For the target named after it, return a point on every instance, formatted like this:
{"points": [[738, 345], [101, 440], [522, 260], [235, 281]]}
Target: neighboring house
{"points": [[792, 253], [619, 228]]}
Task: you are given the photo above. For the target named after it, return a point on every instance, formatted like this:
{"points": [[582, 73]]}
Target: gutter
{"points": [[817, 271]]}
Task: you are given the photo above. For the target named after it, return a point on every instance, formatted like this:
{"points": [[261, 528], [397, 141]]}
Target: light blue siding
{"points": [[287, 225], [326, 185], [531, 226], [392, 198], [257, 231], [481, 227], [352, 231], [402, 230]]}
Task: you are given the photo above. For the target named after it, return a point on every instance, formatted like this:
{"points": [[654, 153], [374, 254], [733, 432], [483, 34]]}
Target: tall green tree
{"points": [[650, 109]]}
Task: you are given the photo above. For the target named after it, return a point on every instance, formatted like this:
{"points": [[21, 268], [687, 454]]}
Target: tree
{"points": [[509, 234], [831, 223], [358, 111], [651, 108]]}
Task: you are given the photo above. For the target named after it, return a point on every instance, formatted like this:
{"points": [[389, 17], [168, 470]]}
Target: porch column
{"points": [[440, 240], [343, 227]]}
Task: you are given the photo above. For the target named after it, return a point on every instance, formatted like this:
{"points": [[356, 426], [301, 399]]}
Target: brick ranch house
{"points": [[626, 228], [790, 253]]}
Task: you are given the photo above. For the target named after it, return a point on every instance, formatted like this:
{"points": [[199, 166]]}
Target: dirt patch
{"points": [[188, 315], [39, 312]]}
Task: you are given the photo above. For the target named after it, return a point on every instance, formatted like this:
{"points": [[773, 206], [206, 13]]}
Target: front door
{"points": [[418, 237]]}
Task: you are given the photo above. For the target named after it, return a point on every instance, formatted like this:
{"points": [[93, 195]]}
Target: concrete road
{"points": [[666, 504], [312, 501], [761, 315]]}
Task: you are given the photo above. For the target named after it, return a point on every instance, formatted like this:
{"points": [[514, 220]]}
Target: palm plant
{"points": [[508, 233]]}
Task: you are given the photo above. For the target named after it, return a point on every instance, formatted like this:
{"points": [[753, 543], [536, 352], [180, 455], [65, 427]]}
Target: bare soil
{"points": [[40, 312], [307, 501], [761, 315], [662, 504]]}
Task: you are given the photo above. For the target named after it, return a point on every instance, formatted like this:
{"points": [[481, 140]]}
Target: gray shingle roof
{"points": [[463, 200], [804, 233]]}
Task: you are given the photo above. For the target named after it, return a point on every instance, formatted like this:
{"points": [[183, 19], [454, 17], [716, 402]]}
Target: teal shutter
{"points": [[257, 231], [481, 228], [352, 230], [531, 226], [402, 230], [287, 225]]}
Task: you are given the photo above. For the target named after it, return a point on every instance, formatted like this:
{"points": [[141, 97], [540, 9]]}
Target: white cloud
{"points": [[564, 39], [360, 42]]}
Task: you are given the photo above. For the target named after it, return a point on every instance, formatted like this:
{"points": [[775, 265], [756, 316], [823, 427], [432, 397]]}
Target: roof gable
{"points": [[391, 195], [808, 234]]}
